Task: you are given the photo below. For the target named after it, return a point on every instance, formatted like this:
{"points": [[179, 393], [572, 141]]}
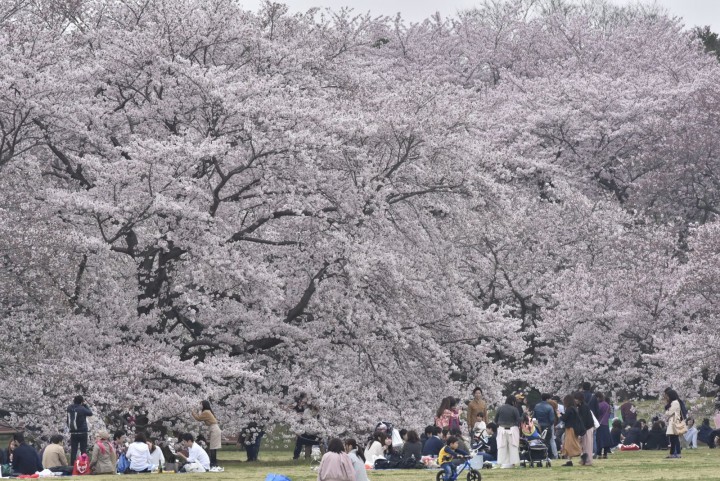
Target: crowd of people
{"points": [[583, 427], [114, 455]]}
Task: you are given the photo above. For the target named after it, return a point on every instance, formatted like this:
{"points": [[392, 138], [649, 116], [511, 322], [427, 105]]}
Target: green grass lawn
{"points": [[701, 464]]}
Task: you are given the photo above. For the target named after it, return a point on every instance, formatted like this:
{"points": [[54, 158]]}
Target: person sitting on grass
{"points": [[25, 459], [336, 464], [412, 447], [357, 459], [138, 454], [704, 431], [691, 436], [104, 457], [197, 460], [449, 457], [433, 445], [54, 454]]}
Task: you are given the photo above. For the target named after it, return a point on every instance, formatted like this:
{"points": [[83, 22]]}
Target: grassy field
{"points": [[701, 464]]}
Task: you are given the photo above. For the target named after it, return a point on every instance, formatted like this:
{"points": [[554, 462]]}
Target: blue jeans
{"points": [[487, 456], [449, 469]]}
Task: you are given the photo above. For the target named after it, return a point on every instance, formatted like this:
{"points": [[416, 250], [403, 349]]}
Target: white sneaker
{"points": [[216, 469]]}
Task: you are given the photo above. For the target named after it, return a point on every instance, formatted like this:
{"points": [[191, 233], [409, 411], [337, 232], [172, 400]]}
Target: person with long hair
{"points": [[207, 416], [587, 439], [673, 413], [357, 458], [104, 457], [448, 414], [336, 464], [376, 448], [571, 418], [412, 447]]}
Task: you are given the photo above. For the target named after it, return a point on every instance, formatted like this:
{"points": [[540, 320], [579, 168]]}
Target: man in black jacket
{"points": [[77, 414], [25, 459]]}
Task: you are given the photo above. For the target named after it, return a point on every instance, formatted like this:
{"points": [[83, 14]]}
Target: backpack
{"points": [[123, 465], [81, 466]]}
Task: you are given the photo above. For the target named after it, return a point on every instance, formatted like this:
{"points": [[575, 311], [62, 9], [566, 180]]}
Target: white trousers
{"points": [[508, 443]]}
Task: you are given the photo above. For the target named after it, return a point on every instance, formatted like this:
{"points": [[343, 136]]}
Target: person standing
{"points": [[477, 409], [587, 439], [573, 427], [604, 440], [628, 413], [207, 416], [508, 420], [250, 439], [77, 414], [673, 413], [448, 414], [545, 415], [304, 440]]}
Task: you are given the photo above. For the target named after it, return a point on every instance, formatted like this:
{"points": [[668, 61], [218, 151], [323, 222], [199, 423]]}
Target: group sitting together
{"points": [[108, 456]]}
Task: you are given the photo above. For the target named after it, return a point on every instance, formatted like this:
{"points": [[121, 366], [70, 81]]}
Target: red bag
{"points": [[81, 466]]}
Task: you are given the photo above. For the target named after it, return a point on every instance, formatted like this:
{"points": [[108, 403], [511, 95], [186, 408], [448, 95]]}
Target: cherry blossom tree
{"points": [[206, 202]]}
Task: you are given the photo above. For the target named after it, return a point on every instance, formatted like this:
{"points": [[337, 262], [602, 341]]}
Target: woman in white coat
{"points": [[673, 413]]}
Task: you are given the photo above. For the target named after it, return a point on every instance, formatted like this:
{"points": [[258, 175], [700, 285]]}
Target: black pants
{"points": [[213, 457], [253, 450], [711, 441], [304, 440], [674, 444], [77, 440]]}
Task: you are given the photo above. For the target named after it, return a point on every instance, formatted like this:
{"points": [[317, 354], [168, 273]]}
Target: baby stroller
{"points": [[477, 440], [534, 452]]}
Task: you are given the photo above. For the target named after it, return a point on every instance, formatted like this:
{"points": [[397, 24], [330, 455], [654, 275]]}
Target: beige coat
{"points": [[215, 435], [54, 456], [673, 414], [103, 463]]}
